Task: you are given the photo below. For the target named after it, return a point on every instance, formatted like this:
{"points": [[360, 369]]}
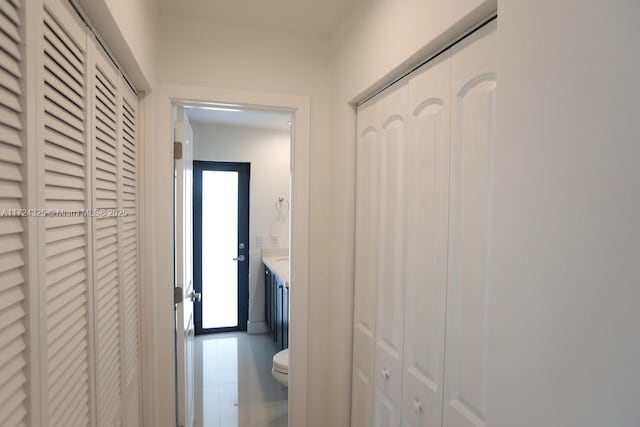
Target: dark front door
{"points": [[221, 246]]}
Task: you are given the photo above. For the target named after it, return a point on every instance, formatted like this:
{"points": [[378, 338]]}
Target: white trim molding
{"points": [[257, 327], [159, 220]]}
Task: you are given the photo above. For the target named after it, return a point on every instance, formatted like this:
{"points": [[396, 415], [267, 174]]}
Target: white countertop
{"points": [[278, 262]]}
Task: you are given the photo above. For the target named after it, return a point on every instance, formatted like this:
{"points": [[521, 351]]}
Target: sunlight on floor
{"points": [[234, 386]]}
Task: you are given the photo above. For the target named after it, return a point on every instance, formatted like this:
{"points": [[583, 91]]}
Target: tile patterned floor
{"points": [[234, 386]]}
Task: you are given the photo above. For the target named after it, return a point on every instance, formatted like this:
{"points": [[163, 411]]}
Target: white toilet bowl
{"points": [[280, 370]]}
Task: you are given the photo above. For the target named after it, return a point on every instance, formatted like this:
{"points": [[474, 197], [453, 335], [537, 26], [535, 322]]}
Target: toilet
{"points": [[280, 369]]}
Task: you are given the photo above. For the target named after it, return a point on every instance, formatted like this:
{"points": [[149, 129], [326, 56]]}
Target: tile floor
{"points": [[234, 386]]}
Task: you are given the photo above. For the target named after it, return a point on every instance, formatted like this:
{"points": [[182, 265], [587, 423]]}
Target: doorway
{"points": [[221, 237], [241, 172], [168, 380]]}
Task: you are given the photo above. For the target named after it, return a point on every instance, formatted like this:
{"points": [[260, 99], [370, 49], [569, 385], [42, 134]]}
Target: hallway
{"points": [[234, 386]]}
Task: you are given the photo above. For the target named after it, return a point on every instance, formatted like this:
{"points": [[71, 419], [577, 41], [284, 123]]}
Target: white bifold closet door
{"points": [[115, 248], [66, 323], [473, 124], [392, 140], [115, 242], [106, 259], [424, 156], [128, 252], [13, 286], [366, 270], [427, 238], [379, 308], [69, 340]]}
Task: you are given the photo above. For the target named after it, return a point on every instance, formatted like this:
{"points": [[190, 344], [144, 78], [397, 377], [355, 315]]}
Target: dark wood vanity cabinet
{"points": [[268, 300], [277, 308], [285, 317]]}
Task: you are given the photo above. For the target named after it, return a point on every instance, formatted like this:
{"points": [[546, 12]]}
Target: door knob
{"points": [[239, 258], [385, 373], [195, 296]]}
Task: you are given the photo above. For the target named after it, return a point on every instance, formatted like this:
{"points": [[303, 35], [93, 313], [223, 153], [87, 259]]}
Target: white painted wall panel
{"points": [[564, 272]]}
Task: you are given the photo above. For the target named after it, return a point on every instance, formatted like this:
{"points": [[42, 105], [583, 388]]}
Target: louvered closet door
{"points": [[105, 103], [392, 122], [426, 259], [128, 238], [65, 299], [13, 358], [366, 269], [473, 119]]}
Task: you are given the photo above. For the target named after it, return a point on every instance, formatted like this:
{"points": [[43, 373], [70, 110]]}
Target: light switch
{"points": [[259, 241], [275, 241]]}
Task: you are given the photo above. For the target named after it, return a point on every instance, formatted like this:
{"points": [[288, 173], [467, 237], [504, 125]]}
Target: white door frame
{"points": [[159, 257]]}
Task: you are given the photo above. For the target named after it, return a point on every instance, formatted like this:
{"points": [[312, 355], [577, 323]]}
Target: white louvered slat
{"points": [[13, 345], [10, 11], [10, 46], [66, 288], [9, 27], [105, 234]]}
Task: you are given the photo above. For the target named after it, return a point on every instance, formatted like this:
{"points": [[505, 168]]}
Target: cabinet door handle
{"points": [[385, 373], [417, 406]]}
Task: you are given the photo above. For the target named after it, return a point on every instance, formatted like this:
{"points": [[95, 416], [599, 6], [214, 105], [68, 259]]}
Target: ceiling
{"points": [[262, 119], [312, 17]]}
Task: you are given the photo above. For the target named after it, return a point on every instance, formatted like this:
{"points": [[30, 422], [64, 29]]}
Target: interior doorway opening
{"points": [[224, 251]]}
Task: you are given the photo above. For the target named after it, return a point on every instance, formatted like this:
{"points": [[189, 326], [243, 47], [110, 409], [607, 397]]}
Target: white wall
{"points": [[268, 152], [129, 27], [218, 55], [565, 278], [375, 41], [378, 39]]}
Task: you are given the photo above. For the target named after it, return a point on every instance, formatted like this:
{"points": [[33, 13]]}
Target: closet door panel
{"points": [[473, 139], [426, 258], [13, 292], [106, 260], [385, 411], [391, 251], [365, 268], [65, 291], [128, 241]]}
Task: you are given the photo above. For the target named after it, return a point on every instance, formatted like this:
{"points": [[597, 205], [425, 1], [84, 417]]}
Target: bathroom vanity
{"points": [[276, 285]]}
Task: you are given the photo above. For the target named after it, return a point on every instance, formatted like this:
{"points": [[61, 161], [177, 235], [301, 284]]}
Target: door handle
{"points": [[239, 258], [195, 296], [385, 373]]}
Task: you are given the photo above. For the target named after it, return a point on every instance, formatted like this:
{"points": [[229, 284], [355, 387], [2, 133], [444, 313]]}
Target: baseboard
{"points": [[256, 328]]}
